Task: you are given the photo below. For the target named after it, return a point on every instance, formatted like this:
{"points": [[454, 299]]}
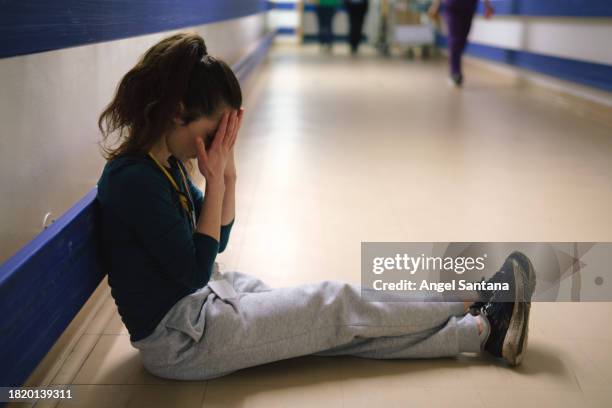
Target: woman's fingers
{"points": [[231, 128], [237, 128], [227, 132], [202, 156], [220, 135], [240, 116]]}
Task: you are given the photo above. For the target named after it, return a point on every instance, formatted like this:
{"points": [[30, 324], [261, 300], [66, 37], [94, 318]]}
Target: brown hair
{"points": [[176, 70]]}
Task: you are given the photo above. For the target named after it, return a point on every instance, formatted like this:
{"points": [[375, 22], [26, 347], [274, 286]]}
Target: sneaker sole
{"points": [[514, 342], [529, 274]]}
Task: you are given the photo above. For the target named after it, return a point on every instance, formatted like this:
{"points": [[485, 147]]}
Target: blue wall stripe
{"points": [[43, 287], [285, 30], [310, 8], [552, 8], [282, 6], [30, 26], [586, 73]]}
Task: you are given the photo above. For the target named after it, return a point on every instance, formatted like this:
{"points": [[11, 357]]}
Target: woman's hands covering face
{"points": [[212, 162]]}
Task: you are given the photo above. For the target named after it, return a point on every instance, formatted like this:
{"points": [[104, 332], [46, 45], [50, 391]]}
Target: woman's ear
{"points": [[177, 119]]}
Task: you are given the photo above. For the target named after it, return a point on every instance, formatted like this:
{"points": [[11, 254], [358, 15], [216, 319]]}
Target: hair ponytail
{"points": [[176, 70]]}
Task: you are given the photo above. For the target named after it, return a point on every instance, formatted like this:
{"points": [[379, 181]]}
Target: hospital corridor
{"points": [[353, 146]]}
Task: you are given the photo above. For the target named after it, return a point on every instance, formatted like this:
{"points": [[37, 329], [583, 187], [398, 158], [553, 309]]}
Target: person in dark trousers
{"points": [[160, 235], [356, 10], [459, 15], [326, 10]]}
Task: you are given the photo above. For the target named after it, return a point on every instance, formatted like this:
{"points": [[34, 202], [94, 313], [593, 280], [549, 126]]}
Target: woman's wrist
{"points": [[215, 185]]}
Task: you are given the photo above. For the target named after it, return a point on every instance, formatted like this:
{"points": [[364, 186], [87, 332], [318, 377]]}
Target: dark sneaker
{"points": [[508, 332], [506, 274], [457, 79], [509, 320]]}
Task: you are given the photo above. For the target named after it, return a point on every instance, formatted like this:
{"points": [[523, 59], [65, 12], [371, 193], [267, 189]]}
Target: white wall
{"points": [[583, 39]]}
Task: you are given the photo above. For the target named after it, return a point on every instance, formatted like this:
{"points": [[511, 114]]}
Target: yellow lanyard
{"points": [[187, 203]]}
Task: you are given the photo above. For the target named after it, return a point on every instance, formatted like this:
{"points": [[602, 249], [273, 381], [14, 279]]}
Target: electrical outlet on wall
{"points": [[47, 220]]}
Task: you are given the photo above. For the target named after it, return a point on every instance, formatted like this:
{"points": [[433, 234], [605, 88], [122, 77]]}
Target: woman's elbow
{"points": [[199, 276]]}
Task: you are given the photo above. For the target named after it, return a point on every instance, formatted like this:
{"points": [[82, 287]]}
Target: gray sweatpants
{"points": [[237, 321]]}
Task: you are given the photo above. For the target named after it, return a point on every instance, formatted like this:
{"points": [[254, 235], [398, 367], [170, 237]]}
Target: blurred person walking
{"points": [[326, 10], [357, 10], [459, 15]]}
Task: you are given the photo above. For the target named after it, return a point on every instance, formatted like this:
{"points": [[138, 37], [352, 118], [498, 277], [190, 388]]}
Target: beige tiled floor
{"points": [[335, 151]]}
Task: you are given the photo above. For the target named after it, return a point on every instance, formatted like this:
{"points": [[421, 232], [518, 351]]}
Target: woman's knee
{"points": [[244, 282], [338, 288]]}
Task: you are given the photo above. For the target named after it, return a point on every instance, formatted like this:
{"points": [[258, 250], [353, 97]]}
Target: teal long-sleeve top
{"points": [[152, 253]]}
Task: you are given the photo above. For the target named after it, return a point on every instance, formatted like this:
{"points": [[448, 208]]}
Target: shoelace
{"points": [[475, 308]]}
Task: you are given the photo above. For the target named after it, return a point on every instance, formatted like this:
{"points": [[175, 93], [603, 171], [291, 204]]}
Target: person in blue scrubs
{"points": [[459, 15]]}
